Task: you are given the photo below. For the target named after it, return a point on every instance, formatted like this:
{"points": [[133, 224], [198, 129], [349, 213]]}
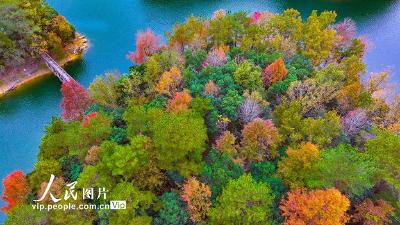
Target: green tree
{"points": [[227, 28], [57, 139], [230, 102], [322, 131], [136, 204], [136, 118], [243, 201], [289, 120], [266, 172], [179, 140], [217, 172], [318, 36], [103, 90], [248, 76], [173, 211], [384, 150], [42, 172], [124, 160], [344, 168], [96, 177], [295, 128], [72, 216], [23, 213], [96, 131], [128, 87]]}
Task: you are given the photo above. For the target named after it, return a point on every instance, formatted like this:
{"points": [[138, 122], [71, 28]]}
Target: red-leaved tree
{"points": [[274, 72], [16, 189], [147, 43], [75, 100], [255, 17], [258, 16], [87, 119]]}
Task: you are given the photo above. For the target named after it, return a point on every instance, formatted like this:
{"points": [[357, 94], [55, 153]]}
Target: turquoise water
{"points": [[111, 27]]}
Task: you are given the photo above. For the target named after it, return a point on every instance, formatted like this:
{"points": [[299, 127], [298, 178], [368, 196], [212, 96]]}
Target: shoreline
{"points": [[74, 51]]}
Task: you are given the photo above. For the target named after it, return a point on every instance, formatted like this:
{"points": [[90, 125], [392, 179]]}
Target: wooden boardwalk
{"points": [[56, 68]]}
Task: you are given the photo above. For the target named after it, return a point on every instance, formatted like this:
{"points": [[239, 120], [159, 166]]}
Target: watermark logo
{"points": [[88, 193], [117, 204]]}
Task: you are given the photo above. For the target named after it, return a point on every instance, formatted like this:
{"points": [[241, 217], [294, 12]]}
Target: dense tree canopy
{"points": [[28, 29], [237, 119]]}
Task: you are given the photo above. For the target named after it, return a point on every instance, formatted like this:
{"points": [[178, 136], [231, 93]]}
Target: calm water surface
{"points": [[111, 27]]}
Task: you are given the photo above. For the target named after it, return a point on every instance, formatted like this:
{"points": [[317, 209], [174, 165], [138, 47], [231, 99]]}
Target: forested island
{"points": [[238, 119], [27, 29]]}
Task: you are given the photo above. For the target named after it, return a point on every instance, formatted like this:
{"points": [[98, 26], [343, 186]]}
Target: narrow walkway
{"points": [[56, 69]]}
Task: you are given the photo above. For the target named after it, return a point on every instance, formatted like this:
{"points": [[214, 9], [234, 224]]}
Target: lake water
{"points": [[111, 27]]}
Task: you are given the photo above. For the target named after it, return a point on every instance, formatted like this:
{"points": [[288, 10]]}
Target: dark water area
{"points": [[111, 27]]}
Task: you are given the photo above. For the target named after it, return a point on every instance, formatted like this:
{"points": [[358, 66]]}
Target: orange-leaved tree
{"points": [[180, 102], [260, 140], [169, 82], [212, 89], [320, 207], [274, 72], [198, 197]]}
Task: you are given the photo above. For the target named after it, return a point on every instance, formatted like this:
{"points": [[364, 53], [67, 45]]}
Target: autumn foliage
{"points": [[226, 143], [258, 17], [198, 197], [346, 30], [227, 123], [211, 89], [93, 155], [56, 189], [147, 43], [216, 57], [298, 163], [260, 140], [180, 102], [86, 119], [75, 100], [255, 17], [169, 82], [354, 122], [373, 213], [274, 72], [16, 189], [320, 207]]}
